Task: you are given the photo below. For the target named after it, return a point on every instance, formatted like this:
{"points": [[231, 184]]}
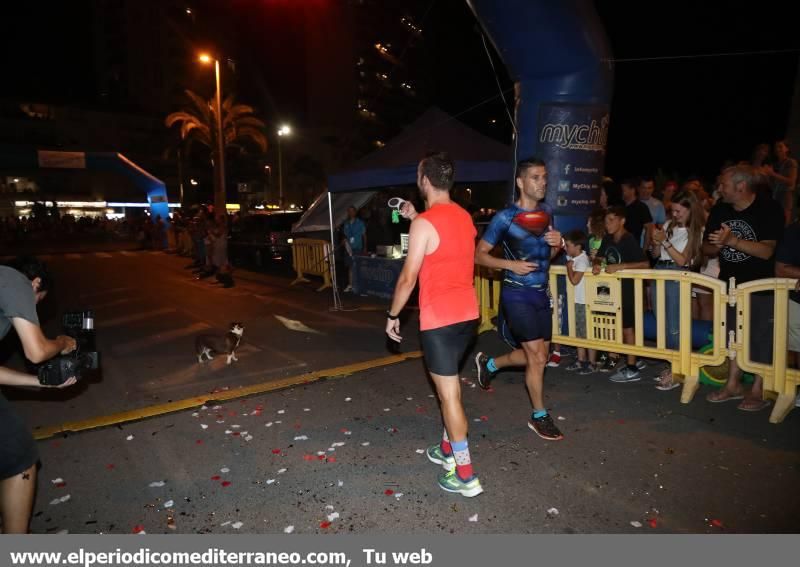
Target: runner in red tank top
{"points": [[441, 248]]}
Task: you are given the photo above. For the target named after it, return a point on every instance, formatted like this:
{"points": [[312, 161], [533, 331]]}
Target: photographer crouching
{"points": [[21, 288]]}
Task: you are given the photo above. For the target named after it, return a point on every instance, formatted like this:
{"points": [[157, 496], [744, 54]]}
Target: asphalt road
{"points": [[343, 455]]}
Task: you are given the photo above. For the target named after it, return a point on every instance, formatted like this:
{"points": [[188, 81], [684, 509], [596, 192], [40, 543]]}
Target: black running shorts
{"points": [[443, 348], [17, 450]]}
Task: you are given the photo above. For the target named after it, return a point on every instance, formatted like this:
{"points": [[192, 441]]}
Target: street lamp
{"points": [[282, 131], [220, 196], [267, 184]]}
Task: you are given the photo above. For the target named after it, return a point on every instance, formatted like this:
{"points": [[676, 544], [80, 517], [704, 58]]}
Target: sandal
{"points": [[722, 395], [753, 405], [666, 383]]}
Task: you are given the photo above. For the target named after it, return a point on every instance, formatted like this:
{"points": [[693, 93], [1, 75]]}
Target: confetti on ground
{"points": [[57, 481], [636, 524], [473, 518], [324, 525], [276, 451], [562, 418], [388, 492], [169, 504], [129, 438], [223, 524], [288, 529], [348, 432], [716, 523], [365, 444], [320, 453], [268, 424], [248, 437], [270, 480], [216, 477], [301, 438], [157, 484], [139, 530], [280, 411], [203, 426], [348, 399], [653, 522], [236, 426], [61, 500], [420, 451], [306, 409], [294, 325], [110, 466], [224, 470], [225, 483], [398, 495], [409, 398], [196, 414], [281, 471], [237, 525], [333, 516], [484, 418], [552, 512], [331, 459], [340, 483]]}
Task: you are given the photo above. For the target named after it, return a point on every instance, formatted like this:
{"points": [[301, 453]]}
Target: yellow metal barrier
{"points": [[780, 382], [311, 257], [604, 325], [487, 286]]}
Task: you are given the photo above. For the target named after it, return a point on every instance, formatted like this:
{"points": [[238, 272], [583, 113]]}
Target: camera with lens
{"points": [[80, 326]]}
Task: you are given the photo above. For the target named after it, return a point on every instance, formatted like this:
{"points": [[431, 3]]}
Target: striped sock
{"points": [[447, 449], [463, 462]]}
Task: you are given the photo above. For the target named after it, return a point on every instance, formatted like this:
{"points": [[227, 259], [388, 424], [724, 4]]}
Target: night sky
{"points": [[683, 115]]}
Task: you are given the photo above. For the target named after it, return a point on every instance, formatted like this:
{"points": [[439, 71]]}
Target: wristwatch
{"points": [[392, 317]]}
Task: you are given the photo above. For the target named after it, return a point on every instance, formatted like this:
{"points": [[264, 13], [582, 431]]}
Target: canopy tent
{"points": [[477, 159]]}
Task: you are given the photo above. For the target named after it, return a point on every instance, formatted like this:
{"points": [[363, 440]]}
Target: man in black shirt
{"points": [[742, 230], [638, 219]]}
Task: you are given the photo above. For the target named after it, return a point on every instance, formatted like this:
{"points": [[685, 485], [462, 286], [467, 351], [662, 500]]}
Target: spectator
{"points": [[666, 195], [610, 195], [575, 242], [784, 179], [647, 186], [638, 220], [787, 265], [760, 156], [355, 240], [742, 230], [620, 251], [596, 225], [678, 246]]}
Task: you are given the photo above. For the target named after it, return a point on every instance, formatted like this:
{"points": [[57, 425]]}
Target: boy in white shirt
{"points": [[578, 264]]}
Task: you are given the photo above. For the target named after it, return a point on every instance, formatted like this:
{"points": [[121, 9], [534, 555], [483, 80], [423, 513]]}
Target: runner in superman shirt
{"points": [[529, 242]]}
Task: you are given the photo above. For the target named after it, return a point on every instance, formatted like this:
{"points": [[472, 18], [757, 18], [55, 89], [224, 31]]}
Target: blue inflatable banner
{"points": [[571, 139]]}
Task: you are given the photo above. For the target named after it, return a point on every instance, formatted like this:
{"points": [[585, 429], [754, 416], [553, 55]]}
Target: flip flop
{"points": [[753, 405], [723, 396]]}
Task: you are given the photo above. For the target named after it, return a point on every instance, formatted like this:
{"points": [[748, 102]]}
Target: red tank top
{"points": [[446, 291]]}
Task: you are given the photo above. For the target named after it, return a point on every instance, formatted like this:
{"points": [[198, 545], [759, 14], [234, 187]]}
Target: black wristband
{"points": [[390, 316]]}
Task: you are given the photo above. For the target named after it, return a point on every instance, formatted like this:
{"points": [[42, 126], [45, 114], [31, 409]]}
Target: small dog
{"points": [[210, 345]]}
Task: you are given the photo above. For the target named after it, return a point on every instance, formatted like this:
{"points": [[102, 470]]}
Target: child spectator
{"points": [[579, 264], [621, 251]]}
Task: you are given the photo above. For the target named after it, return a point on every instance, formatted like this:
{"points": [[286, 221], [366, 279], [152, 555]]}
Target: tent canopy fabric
{"points": [[477, 159]]}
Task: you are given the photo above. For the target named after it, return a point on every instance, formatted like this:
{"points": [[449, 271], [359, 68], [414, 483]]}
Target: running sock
{"points": [[463, 462], [446, 447], [490, 365], [538, 413]]}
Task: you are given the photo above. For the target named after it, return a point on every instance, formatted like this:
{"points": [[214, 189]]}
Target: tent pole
{"points": [[337, 303]]}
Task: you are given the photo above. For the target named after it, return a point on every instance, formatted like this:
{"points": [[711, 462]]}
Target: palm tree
{"points": [[240, 128]]}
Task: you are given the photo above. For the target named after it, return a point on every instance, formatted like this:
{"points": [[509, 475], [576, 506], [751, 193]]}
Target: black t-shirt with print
{"points": [[762, 220], [624, 251], [637, 214], [788, 252]]}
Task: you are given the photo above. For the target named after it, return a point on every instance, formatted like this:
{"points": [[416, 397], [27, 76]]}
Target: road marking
{"points": [[135, 317], [232, 394], [133, 346], [103, 255], [72, 256], [106, 291]]}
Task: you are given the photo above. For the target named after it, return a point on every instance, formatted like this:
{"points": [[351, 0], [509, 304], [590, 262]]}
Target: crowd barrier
{"points": [[311, 257], [730, 339]]}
